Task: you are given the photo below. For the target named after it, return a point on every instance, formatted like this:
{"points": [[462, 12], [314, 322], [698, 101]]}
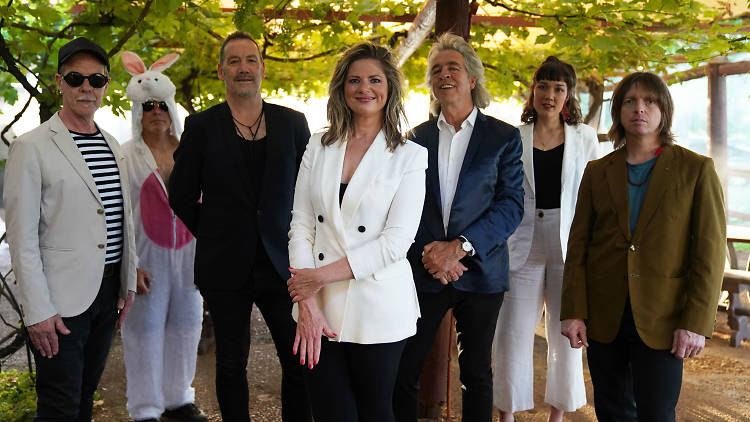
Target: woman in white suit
{"points": [[556, 148], [357, 206]]}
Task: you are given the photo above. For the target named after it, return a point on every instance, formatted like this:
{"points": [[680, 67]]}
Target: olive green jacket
{"points": [[672, 265]]}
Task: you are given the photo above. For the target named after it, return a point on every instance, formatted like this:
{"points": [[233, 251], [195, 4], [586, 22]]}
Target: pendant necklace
{"points": [[648, 174], [256, 124]]}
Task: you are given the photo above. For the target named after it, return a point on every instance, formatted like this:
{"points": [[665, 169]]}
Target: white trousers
{"points": [[535, 286], [160, 337]]}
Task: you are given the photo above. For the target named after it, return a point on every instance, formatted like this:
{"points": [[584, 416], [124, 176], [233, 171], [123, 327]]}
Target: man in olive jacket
{"points": [[645, 258]]}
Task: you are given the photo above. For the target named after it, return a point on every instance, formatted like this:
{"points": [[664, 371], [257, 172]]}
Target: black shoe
{"points": [[186, 413]]}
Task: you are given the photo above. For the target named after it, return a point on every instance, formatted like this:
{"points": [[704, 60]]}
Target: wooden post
{"points": [[717, 123], [450, 16], [453, 16]]}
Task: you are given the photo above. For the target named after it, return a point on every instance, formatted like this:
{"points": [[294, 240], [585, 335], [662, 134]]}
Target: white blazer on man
{"points": [[56, 223], [373, 227], [581, 146]]}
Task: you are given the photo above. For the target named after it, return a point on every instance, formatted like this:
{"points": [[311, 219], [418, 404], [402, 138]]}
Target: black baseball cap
{"points": [[78, 45]]}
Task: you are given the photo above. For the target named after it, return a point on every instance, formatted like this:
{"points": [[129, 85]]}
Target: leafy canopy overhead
{"points": [[300, 40]]}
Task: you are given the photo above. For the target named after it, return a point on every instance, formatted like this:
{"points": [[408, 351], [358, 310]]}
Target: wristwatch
{"points": [[466, 246]]}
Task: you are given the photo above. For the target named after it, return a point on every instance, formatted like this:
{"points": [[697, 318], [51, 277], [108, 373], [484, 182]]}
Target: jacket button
{"points": [[259, 212], [100, 211], [361, 229], [321, 256], [541, 214], [100, 246], [320, 218]]}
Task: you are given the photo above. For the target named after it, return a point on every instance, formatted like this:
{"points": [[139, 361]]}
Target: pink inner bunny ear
{"points": [[164, 62], [132, 63]]}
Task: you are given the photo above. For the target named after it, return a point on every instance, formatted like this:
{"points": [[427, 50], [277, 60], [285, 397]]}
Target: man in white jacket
{"points": [[160, 336], [71, 237]]}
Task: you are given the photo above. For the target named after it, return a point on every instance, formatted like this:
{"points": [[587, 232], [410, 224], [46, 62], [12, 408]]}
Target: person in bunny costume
{"points": [[160, 336]]}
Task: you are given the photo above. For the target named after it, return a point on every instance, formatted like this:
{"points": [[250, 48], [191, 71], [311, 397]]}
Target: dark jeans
{"points": [[354, 382], [476, 316], [65, 384], [230, 312], [633, 382]]}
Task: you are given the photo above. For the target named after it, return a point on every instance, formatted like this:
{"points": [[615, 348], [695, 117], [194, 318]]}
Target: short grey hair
{"points": [[447, 41]]}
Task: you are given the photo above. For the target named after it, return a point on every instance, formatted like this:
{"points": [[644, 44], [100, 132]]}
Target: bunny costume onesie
{"points": [[160, 335]]}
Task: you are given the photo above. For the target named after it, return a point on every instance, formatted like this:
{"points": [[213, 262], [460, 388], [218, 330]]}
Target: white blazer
{"points": [[581, 146], [56, 223], [374, 228]]}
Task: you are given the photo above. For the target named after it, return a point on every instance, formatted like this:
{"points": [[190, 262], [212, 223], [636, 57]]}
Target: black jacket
{"points": [[209, 191]]}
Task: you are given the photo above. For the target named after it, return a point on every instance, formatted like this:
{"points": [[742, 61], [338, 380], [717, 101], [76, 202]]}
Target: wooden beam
{"points": [[513, 21], [408, 18], [724, 69]]}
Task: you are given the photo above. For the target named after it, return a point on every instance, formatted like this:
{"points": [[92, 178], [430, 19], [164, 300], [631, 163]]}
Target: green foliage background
{"points": [[17, 396], [602, 39]]}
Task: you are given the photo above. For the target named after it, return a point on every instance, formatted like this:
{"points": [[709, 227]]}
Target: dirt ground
{"points": [[716, 385]]}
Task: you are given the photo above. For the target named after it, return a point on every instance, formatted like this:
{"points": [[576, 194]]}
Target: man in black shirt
{"points": [[232, 185]]}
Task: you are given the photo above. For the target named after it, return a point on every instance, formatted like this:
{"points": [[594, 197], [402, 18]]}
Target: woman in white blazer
{"points": [[357, 206], [556, 148]]}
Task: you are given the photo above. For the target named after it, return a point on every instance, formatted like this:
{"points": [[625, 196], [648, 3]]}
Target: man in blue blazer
{"points": [[474, 202]]}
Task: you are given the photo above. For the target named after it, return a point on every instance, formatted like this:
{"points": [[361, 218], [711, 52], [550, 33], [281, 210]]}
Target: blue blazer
{"points": [[486, 209]]}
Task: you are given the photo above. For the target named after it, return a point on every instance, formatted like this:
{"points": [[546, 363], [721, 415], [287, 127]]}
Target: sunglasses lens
{"points": [[74, 79], [97, 80], [150, 105]]}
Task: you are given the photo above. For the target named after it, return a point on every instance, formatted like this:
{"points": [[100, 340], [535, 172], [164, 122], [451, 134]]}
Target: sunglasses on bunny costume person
{"points": [[151, 104], [75, 79]]}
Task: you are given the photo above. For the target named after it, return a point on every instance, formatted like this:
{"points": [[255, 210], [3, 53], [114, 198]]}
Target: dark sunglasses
{"points": [[150, 104], [75, 79]]}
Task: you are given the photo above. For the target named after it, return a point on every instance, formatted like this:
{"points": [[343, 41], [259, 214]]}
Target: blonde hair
{"points": [[339, 114], [479, 95]]}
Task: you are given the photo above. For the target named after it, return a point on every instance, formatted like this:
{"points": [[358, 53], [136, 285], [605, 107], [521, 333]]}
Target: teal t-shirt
{"points": [[639, 176]]}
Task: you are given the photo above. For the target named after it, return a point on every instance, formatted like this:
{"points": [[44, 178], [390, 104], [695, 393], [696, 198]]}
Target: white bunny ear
{"points": [[132, 63], [164, 62]]}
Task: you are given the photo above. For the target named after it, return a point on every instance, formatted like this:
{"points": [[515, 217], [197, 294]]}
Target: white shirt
{"points": [[451, 151]]}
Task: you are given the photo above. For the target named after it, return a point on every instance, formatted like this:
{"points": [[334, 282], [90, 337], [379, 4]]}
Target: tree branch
{"points": [[186, 88], [129, 33], [15, 119], [40, 31], [10, 62], [303, 59]]}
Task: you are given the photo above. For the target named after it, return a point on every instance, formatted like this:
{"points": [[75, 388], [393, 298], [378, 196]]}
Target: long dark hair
{"points": [[554, 69]]}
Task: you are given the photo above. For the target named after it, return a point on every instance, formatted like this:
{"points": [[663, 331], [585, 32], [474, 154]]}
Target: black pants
{"points": [[633, 382], [354, 382], [230, 312], [476, 316], [65, 384]]}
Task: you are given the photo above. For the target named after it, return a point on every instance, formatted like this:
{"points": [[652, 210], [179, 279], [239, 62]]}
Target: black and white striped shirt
{"points": [[103, 167]]}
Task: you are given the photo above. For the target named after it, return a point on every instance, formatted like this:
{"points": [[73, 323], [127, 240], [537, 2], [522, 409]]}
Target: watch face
{"points": [[466, 246]]}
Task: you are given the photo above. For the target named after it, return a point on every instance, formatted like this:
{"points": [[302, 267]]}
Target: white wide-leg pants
{"points": [[535, 286], [160, 337]]}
